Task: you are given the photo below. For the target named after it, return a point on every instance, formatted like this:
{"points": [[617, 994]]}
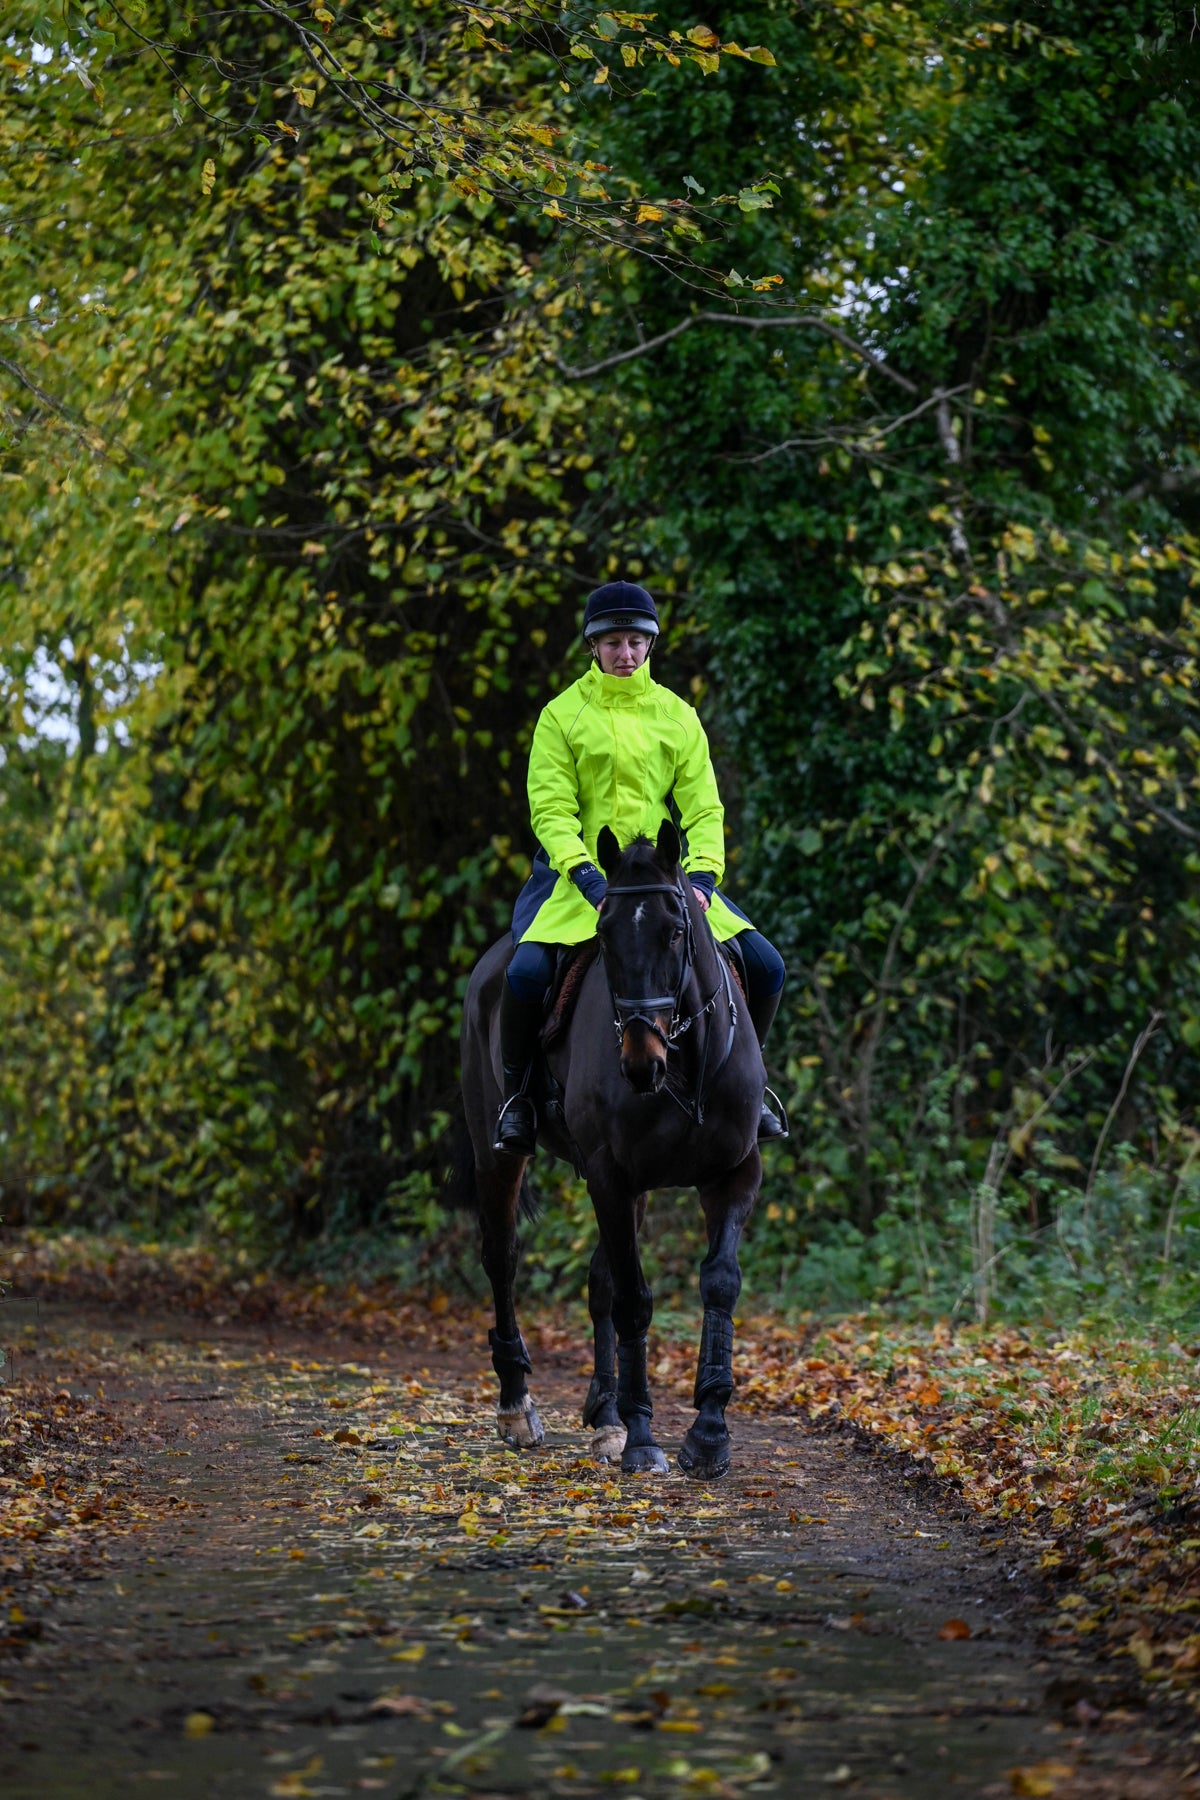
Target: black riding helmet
{"points": [[619, 606]]}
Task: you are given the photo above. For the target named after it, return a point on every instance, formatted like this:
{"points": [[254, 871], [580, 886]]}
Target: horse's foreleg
{"points": [[618, 1218], [499, 1199], [727, 1205], [600, 1407]]}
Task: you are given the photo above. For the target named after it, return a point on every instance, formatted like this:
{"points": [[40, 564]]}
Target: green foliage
{"points": [[944, 557], [287, 558]]}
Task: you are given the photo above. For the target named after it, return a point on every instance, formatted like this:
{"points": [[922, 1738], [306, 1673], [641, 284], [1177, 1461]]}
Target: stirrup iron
{"points": [[775, 1137]]}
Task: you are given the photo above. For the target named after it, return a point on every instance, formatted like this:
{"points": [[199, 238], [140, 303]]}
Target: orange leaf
{"points": [[955, 1628]]}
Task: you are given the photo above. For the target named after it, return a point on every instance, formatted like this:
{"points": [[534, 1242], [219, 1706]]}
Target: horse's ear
{"points": [[608, 851], [669, 847]]}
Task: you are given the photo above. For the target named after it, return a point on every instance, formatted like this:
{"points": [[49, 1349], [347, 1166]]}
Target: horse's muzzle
{"points": [[643, 1058]]}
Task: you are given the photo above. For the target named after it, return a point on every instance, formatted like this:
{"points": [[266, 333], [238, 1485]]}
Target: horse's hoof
{"points": [[643, 1459], [704, 1459], [608, 1441], [519, 1425]]}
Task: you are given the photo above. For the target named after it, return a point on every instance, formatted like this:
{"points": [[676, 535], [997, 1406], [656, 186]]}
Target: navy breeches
{"points": [[764, 965], [531, 971], [532, 968]]}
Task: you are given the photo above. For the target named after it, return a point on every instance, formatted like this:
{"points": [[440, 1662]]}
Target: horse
{"points": [[658, 1082]]}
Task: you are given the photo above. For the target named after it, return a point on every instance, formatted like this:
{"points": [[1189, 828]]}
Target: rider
{"points": [[610, 750]]}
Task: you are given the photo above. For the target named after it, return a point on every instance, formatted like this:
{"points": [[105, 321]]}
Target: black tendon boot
{"points": [[520, 1027], [762, 1013]]}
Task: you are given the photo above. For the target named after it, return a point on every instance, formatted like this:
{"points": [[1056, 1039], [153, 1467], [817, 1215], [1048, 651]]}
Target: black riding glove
{"points": [[590, 882]]}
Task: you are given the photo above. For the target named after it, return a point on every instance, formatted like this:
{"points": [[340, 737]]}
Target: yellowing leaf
{"points": [[208, 176], [1040, 1780], [704, 36], [305, 96], [647, 215]]}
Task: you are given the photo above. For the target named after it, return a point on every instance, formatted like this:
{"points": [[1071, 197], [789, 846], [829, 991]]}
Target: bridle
{"points": [[644, 1009]]}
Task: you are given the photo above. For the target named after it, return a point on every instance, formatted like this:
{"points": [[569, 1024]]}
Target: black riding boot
{"points": [[762, 1014], [520, 1028]]}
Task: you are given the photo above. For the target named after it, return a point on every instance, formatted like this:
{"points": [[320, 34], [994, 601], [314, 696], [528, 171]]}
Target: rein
{"points": [[643, 1009]]}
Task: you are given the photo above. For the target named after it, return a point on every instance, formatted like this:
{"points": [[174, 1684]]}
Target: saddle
{"points": [[573, 963], [731, 950]]}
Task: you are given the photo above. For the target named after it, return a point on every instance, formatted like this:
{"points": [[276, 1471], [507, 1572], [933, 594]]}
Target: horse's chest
{"points": [[655, 1144]]}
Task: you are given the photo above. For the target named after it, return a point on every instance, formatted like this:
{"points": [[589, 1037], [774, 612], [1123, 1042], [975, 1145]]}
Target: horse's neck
{"points": [[706, 969]]}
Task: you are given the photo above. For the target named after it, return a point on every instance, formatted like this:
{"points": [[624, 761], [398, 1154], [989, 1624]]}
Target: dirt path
{"points": [[343, 1583]]}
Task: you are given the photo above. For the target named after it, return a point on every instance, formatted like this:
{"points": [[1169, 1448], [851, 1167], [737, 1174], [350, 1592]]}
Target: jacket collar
{"points": [[619, 690]]}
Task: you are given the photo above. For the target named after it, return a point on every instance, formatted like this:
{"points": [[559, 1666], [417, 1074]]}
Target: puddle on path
{"points": [[366, 1593]]}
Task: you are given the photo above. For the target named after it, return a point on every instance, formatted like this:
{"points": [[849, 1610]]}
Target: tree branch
{"points": [[960, 547], [802, 321], [1146, 1033], [1079, 738], [1166, 481], [94, 438], [850, 436]]}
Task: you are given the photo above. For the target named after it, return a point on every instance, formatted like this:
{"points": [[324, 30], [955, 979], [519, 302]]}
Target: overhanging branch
{"points": [[795, 321]]}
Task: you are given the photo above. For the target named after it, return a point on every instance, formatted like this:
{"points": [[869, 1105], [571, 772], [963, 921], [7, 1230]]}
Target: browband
{"points": [[644, 887]]}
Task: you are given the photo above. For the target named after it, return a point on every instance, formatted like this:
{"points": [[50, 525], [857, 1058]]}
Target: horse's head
{"points": [[645, 932]]}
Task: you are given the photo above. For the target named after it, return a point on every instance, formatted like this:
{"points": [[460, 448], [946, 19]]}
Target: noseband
{"points": [[642, 1011]]}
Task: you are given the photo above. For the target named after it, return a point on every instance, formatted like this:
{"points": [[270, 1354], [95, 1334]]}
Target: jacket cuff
{"points": [[590, 882], [703, 879]]}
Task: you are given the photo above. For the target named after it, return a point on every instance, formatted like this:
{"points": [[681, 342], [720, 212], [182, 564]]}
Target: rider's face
{"points": [[621, 652]]}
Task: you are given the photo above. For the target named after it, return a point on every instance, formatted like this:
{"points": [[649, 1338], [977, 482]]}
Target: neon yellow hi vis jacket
{"points": [[608, 751]]}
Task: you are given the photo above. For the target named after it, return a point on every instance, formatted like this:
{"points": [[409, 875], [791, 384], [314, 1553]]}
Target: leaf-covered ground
{"points": [[1088, 1443], [65, 1490], [1081, 1453]]}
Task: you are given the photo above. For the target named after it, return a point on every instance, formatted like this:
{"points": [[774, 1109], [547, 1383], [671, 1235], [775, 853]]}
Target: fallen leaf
{"points": [[1039, 1780], [399, 1706]]}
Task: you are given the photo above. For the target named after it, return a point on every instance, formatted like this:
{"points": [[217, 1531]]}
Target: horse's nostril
{"points": [[643, 1075]]}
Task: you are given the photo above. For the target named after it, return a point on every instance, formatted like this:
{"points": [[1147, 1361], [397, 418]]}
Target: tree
{"points": [[284, 538], [910, 547]]}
